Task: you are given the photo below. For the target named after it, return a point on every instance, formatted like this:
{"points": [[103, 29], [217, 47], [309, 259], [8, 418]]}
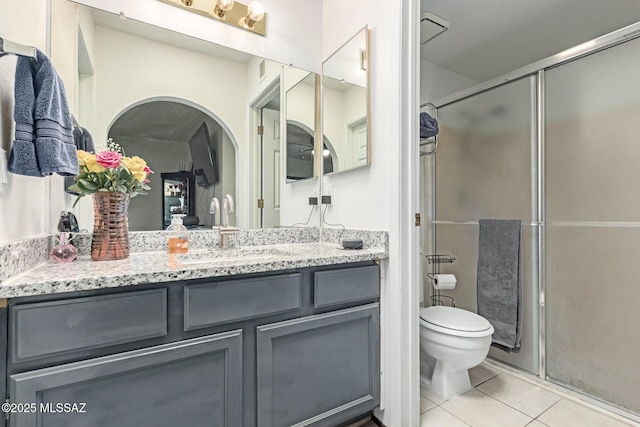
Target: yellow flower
{"points": [[93, 166], [136, 166], [84, 156]]}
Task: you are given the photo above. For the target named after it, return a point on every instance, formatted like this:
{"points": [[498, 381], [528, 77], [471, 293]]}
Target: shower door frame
{"points": [[536, 69]]}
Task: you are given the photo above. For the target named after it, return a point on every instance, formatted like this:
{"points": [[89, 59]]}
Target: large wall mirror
{"points": [[188, 108], [345, 105]]}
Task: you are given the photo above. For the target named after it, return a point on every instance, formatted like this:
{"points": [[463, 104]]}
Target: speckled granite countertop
{"points": [[153, 267]]}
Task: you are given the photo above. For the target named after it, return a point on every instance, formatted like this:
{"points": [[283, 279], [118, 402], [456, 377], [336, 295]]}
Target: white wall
{"points": [[356, 192], [24, 203], [380, 196], [301, 104], [437, 82]]}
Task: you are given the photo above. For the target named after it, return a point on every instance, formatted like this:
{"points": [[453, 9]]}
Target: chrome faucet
{"points": [[214, 209], [225, 230]]}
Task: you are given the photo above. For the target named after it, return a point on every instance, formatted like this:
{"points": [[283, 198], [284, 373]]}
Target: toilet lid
{"points": [[455, 319]]}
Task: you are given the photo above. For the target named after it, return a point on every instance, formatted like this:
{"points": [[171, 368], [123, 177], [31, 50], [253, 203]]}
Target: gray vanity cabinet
{"points": [[318, 370], [195, 382], [283, 348]]}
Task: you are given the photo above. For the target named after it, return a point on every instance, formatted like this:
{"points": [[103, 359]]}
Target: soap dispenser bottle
{"points": [[64, 251], [178, 236]]}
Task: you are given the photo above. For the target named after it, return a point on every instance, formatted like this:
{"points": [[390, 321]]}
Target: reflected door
{"points": [[358, 136], [271, 168]]}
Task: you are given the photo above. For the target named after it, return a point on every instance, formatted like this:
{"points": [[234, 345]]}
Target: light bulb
{"points": [[225, 5], [222, 7], [326, 152], [255, 10]]}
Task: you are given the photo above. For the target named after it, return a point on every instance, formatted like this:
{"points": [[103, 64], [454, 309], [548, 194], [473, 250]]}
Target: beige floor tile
{"points": [[521, 395], [426, 404], [536, 423], [438, 417], [481, 373], [479, 410], [432, 397], [567, 413]]}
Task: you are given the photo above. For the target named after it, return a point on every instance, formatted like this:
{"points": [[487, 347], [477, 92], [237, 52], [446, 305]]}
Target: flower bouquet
{"points": [[112, 179]]}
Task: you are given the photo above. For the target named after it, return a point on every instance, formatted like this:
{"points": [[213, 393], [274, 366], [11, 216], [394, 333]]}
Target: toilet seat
{"points": [[455, 321]]}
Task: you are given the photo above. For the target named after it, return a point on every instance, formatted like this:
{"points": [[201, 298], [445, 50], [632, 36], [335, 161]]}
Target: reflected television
{"points": [[203, 156]]}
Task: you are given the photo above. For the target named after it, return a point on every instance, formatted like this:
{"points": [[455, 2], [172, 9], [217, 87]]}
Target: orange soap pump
{"points": [[178, 235]]}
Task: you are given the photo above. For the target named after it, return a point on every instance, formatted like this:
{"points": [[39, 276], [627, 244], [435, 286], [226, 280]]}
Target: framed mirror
{"points": [[345, 105], [193, 113]]}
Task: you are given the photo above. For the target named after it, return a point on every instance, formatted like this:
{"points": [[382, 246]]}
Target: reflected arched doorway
{"points": [[180, 141]]}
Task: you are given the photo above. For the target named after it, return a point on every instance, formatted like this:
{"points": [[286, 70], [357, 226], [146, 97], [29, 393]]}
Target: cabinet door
{"points": [[191, 383], [319, 370]]}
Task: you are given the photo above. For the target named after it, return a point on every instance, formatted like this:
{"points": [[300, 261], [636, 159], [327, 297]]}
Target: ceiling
{"points": [[160, 120], [488, 38]]}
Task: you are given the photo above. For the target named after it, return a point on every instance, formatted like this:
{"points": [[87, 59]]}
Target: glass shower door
{"points": [[592, 164], [485, 168]]}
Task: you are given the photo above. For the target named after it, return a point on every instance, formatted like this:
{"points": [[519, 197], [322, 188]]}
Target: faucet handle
{"points": [[214, 209], [228, 200]]}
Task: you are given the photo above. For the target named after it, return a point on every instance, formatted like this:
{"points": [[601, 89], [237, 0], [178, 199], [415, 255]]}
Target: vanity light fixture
{"points": [[250, 18]]}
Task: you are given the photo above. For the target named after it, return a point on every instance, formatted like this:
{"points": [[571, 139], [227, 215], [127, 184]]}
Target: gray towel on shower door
{"points": [[500, 280]]}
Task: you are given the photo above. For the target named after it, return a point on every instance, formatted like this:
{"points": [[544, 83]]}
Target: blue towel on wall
{"points": [[83, 141], [428, 126], [43, 141]]}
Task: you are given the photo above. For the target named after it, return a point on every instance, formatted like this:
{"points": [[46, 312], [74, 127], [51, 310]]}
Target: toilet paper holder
{"points": [[435, 260]]}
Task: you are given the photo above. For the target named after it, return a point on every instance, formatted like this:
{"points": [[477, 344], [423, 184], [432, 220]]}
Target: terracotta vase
{"points": [[110, 239]]}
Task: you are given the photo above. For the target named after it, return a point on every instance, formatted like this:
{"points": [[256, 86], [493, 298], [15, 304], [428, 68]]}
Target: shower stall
{"points": [[557, 145]]}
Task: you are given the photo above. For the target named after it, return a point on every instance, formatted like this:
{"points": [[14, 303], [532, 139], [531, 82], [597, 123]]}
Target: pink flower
{"points": [[108, 159], [147, 169], [146, 181]]}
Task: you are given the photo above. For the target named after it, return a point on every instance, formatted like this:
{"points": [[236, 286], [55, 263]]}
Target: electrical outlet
{"points": [[326, 200], [313, 201]]}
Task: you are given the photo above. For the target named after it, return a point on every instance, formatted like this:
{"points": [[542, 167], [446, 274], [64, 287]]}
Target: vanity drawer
{"points": [[345, 286], [210, 304], [58, 327]]}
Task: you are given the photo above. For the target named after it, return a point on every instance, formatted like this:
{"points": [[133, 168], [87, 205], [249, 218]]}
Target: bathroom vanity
{"points": [[271, 347]]}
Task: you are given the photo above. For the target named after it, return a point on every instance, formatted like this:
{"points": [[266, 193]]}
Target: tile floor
{"points": [[504, 399]]}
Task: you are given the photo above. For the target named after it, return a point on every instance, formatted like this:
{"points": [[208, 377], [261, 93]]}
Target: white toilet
{"points": [[452, 341]]}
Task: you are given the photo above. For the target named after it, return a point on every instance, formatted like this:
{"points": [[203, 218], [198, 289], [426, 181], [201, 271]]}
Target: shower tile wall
{"points": [[485, 167]]}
